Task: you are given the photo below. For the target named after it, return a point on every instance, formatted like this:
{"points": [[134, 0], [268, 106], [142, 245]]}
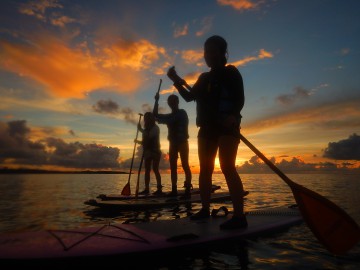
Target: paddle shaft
{"points": [[159, 86], [268, 162], [132, 160]]}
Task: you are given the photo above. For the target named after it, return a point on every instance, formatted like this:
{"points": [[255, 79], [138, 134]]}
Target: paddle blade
{"points": [[126, 190], [330, 224]]}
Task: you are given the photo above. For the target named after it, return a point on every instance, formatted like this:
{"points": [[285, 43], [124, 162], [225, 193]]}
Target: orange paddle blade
{"points": [[331, 225]]}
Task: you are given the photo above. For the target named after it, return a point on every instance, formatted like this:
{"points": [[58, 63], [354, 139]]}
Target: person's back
{"points": [[177, 122]]}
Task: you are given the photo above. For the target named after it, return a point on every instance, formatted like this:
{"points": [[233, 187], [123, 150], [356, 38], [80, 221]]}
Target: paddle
{"points": [[126, 189], [142, 157], [332, 226]]}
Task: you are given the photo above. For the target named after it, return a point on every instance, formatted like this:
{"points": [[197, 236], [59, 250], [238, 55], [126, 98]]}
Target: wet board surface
{"points": [[139, 238], [152, 203], [109, 197]]}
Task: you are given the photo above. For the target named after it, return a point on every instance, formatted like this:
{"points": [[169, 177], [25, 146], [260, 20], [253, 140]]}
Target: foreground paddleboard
{"points": [[109, 197], [153, 203], [136, 239]]}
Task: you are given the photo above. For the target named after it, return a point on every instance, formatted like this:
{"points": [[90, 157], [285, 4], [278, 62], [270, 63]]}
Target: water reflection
{"points": [[38, 202]]}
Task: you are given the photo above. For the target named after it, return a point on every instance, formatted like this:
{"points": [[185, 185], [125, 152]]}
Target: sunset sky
{"points": [[74, 76]]}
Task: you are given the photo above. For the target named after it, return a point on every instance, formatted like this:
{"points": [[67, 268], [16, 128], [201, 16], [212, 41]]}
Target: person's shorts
{"points": [[152, 154], [213, 133]]}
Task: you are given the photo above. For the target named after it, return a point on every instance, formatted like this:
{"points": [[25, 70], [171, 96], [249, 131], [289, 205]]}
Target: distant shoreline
{"points": [[38, 171], [34, 171]]}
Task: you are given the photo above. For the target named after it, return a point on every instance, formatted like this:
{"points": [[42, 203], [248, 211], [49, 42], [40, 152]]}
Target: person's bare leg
{"points": [[156, 163], [184, 156], [173, 157], [228, 146], [147, 173], [207, 153]]}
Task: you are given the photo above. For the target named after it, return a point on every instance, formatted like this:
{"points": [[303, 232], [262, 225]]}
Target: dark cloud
{"points": [[106, 107], [129, 115], [348, 149], [16, 146], [112, 108], [126, 164], [295, 165], [147, 107], [71, 132], [299, 93], [78, 155]]}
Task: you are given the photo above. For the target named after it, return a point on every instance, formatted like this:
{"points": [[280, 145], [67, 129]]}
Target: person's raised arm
{"points": [[180, 84], [156, 105]]}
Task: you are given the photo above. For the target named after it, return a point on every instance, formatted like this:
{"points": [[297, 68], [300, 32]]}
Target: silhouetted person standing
{"points": [[177, 122], [151, 151], [219, 96]]}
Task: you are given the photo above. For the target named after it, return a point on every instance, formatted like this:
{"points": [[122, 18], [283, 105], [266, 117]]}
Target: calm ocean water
{"points": [[32, 202]]}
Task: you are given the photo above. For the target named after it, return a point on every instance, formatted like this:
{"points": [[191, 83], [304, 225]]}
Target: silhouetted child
{"points": [[151, 151]]}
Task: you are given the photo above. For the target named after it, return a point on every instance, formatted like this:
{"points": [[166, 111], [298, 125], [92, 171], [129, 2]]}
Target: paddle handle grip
{"points": [[159, 86], [176, 78]]}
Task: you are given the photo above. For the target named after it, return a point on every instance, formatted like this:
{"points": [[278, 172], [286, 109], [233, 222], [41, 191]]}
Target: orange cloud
{"points": [[206, 24], [66, 72], [38, 8], [192, 56], [135, 55], [181, 31], [327, 116], [239, 4], [72, 72], [262, 54]]}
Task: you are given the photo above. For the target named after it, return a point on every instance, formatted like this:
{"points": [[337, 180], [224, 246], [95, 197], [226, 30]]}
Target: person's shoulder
{"points": [[233, 71], [182, 111], [232, 68], [204, 75]]}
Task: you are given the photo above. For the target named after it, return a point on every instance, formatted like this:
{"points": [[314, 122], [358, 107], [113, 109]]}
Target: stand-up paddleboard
{"points": [[154, 203], [137, 239], [109, 197]]}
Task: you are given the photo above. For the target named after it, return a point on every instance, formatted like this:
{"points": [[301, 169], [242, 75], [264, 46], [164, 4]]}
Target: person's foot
{"points": [[186, 195], [144, 192], [203, 213], [234, 223], [158, 192], [188, 185], [173, 193]]}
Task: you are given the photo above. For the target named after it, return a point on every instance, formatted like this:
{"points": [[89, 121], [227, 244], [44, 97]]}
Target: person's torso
{"points": [[178, 128], [215, 97], [151, 139]]}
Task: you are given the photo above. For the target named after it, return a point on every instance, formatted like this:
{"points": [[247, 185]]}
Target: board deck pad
{"points": [[129, 239], [152, 203]]}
